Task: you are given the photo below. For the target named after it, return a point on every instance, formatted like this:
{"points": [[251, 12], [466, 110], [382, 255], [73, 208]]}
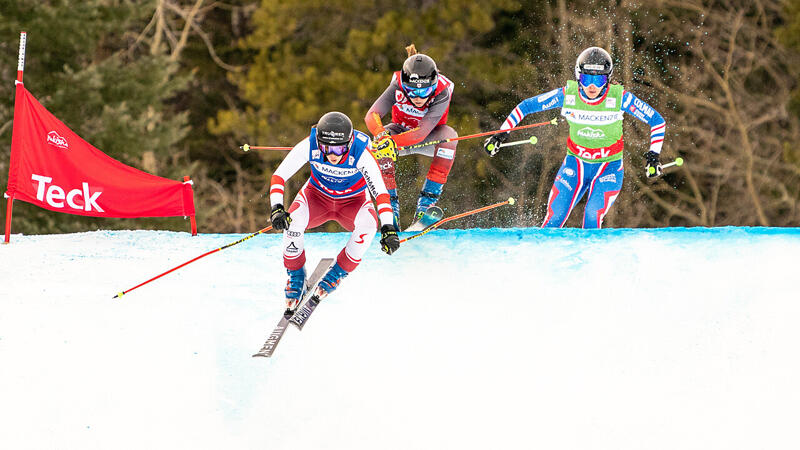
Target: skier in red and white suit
{"points": [[419, 100], [342, 170]]}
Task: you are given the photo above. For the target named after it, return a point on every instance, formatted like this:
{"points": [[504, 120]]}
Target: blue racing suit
{"points": [[596, 169]]}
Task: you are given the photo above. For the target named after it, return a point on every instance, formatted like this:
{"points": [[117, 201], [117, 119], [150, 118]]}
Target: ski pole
{"points": [[248, 147], [678, 162], [532, 140], [263, 230], [554, 121], [436, 225]]}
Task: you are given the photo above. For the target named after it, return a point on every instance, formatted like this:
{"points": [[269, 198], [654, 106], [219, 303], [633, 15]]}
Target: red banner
{"points": [[52, 167]]}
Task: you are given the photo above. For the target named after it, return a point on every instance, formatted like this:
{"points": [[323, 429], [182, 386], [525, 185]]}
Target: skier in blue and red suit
{"points": [[419, 100], [594, 108], [343, 175]]}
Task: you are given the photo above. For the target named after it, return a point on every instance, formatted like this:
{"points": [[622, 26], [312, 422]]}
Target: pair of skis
{"points": [[299, 316]]}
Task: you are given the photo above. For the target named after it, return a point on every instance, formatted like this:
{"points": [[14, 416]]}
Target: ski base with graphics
{"points": [[300, 318], [311, 285], [431, 216]]}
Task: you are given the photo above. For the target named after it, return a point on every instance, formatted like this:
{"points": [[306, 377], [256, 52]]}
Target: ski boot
{"points": [[428, 197], [330, 281], [295, 289]]}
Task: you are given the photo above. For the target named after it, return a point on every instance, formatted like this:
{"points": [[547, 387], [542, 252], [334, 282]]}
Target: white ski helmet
{"points": [[594, 61]]}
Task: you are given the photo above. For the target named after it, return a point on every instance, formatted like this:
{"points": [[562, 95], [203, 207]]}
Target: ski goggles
{"points": [[338, 149], [597, 80], [418, 92]]}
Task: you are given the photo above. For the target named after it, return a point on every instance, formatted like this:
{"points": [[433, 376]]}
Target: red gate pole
{"points": [[9, 204], [23, 37]]}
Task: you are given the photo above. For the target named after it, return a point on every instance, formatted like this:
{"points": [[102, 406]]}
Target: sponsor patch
{"points": [[411, 110], [569, 100], [399, 96], [550, 104], [591, 133], [594, 154], [565, 183], [611, 102], [627, 100], [643, 107], [569, 172], [59, 197], [55, 139], [327, 169], [315, 154], [611, 178], [543, 98], [446, 153], [592, 117]]}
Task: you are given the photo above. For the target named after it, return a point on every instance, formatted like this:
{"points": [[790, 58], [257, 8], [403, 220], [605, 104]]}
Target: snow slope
{"points": [[464, 339]]}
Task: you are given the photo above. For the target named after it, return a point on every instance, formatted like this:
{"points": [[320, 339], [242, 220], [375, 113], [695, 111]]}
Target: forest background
{"points": [[174, 87]]}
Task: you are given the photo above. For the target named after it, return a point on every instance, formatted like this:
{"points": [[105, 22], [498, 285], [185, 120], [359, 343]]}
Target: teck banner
{"points": [[52, 167]]}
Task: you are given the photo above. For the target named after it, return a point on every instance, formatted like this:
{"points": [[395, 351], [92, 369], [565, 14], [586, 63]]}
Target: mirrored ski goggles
{"points": [[597, 80], [419, 92], [338, 149]]}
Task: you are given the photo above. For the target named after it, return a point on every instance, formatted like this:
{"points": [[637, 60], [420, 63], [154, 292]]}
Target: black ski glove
{"points": [[389, 240], [280, 218], [653, 166], [492, 145]]}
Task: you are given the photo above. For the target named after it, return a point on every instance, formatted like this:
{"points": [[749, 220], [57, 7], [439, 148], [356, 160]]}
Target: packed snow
{"points": [[464, 339]]}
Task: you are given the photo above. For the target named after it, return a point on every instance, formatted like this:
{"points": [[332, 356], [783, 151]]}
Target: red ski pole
{"points": [[263, 230], [436, 225]]}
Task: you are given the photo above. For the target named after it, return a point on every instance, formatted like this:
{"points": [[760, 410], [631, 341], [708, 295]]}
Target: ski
{"points": [[431, 216], [302, 314], [311, 284], [272, 341]]}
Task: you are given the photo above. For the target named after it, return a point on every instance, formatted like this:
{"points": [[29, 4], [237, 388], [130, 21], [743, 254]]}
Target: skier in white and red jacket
{"points": [[342, 171]]}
